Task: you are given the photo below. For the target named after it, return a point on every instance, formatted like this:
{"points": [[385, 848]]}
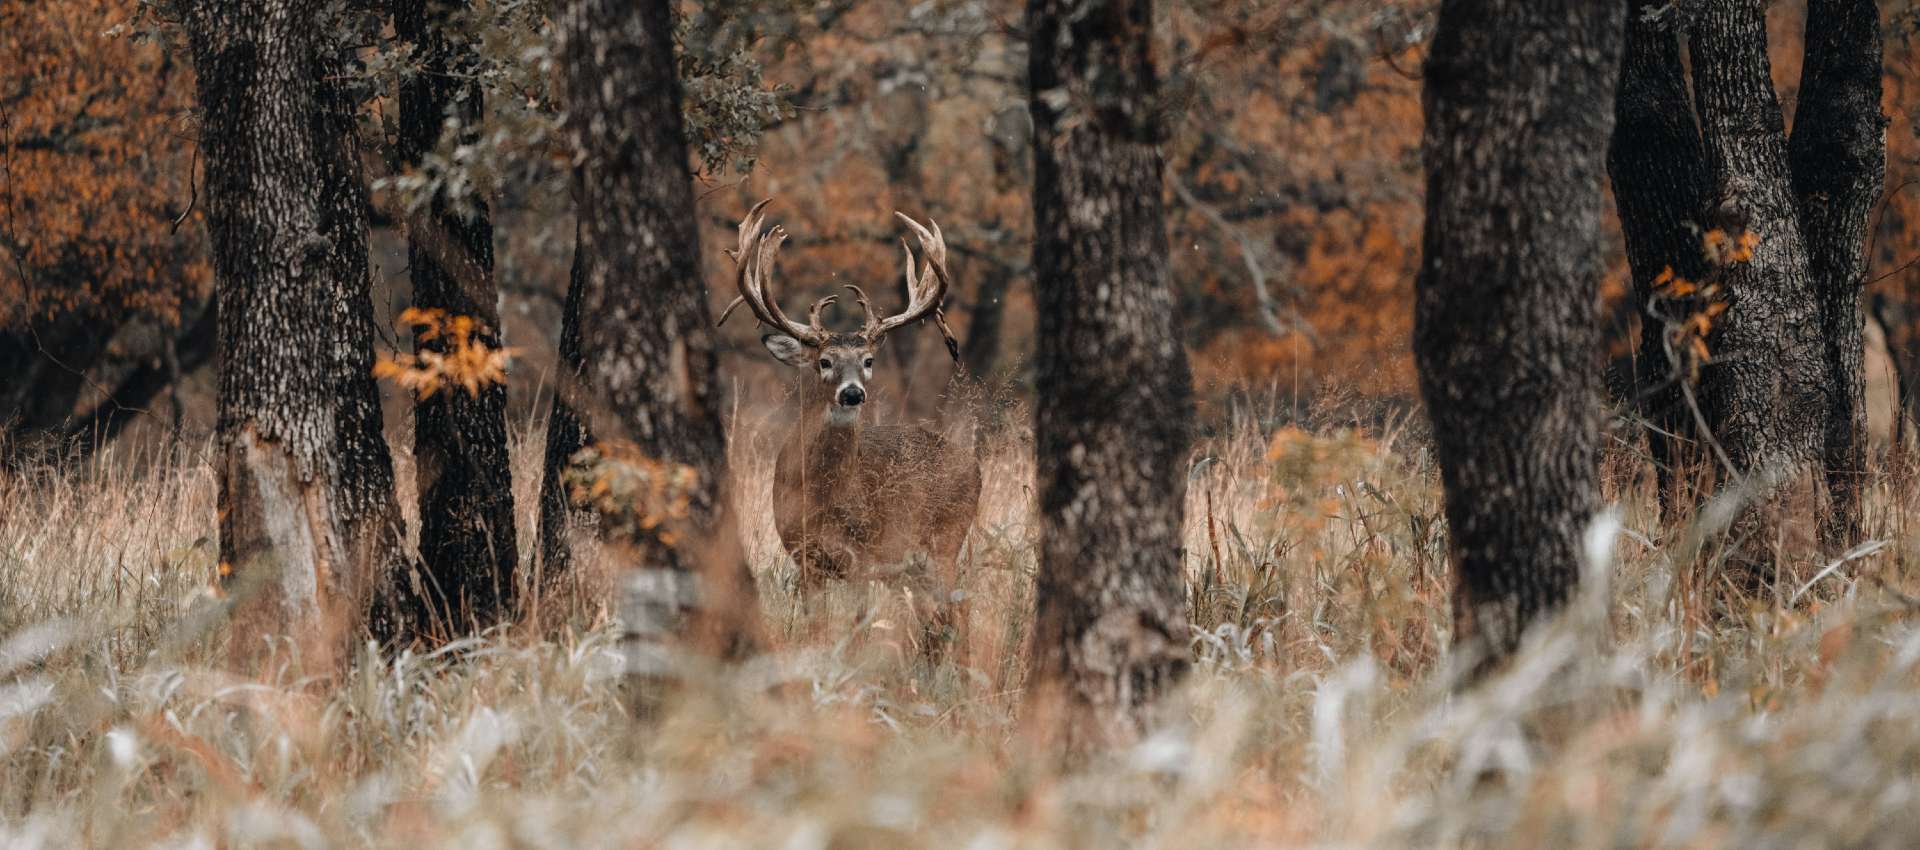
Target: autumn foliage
{"points": [[97, 209], [467, 362], [1292, 165]]}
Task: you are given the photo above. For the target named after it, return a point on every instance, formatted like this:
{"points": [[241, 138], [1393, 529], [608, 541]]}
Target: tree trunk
{"points": [[369, 513], [46, 363], [901, 163], [1895, 315], [1114, 396], [464, 480], [1519, 105], [303, 518], [1838, 153], [982, 352], [1009, 142], [1660, 188], [652, 366], [1765, 388], [565, 435], [133, 395]]}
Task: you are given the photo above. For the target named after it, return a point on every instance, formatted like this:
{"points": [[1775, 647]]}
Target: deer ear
{"points": [[785, 349]]}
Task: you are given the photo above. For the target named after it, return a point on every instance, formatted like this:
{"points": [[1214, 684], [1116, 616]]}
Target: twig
{"points": [[1249, 255], [1880, 218], [1854, 554], [1387, 52], [1700, 421], [1903, 267], [193, 188]]}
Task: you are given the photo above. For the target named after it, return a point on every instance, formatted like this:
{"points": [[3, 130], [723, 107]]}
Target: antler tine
{"points": [[731, 306], [913, 281], [925, 291], [763, 273], [866, 307], [742, 257], [813, 314], [753, 262], [946, 333], [932, 244], [739, 258]]}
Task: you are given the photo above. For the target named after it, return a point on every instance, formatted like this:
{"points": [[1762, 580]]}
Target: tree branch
{"points": [[1250, 256]]}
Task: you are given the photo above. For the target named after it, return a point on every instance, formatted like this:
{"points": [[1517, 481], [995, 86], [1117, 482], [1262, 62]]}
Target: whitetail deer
{"points": [[851, 499]]}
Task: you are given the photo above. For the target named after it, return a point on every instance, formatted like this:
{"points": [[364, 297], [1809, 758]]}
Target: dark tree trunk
{"points": [[565, 435], [982, 351], [1660, 187], [1519, 105], [304, 522], [46, 364], [134, 394], [1893, 301], [1765, 388], [463, 475], [369, 513], [1838, 152], [902, 163], [1895, 315], [365, 507], [1114, 396], [1009, 140], [651, 361]]}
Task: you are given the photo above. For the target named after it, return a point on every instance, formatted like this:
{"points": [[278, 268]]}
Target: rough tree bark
{"points": [[464, 480], [1765, 388], [651, 376], [303, 521], [1114, 395], [565, 435], [368, 512], [1660, 187], [1838, 154], [1519, 105]]}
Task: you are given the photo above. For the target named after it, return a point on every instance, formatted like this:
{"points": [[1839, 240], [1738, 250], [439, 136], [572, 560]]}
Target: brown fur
{"points": [[859, 501], [853, 500]]}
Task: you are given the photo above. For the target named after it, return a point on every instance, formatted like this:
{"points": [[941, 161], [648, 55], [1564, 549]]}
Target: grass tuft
{"points": [[1322, 711]]}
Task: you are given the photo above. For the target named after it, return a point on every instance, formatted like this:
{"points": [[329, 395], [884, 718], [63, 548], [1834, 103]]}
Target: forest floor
{"points": [[1321, 711]]}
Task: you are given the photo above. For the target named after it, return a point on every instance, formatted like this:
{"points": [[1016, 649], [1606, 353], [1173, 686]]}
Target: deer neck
{"points": [[826, 448]]}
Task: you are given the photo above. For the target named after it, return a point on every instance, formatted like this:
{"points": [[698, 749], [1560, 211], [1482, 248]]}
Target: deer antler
{"points": [[754, 262], [926, 291]]}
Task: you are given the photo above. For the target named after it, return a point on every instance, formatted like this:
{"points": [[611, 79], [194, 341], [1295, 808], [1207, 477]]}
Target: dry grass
{"points": [[1319, 714]]}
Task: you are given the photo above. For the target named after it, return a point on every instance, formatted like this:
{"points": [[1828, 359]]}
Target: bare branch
{"points": [[1250, 255]]}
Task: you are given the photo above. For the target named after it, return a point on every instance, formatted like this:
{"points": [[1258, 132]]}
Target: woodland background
{"points": [[1324, 704], [1293, 175]]}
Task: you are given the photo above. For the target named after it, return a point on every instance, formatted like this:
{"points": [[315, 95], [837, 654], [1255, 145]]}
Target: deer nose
{"points": [[851, 396]]}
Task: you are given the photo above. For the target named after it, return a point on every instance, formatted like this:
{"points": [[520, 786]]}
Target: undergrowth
{"points": [[1323, 710]]}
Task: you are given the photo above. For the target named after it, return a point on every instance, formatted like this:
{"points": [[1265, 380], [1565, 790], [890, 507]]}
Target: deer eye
{"points": [[868, 364], [825, 364]]}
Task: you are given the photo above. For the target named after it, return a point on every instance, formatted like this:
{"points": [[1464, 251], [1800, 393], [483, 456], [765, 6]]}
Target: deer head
{"points": [[842, 363]]}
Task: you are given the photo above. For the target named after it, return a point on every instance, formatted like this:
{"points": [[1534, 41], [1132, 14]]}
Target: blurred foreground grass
{"points": [[1321, 712]]}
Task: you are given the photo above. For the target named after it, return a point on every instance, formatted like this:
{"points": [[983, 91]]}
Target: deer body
{"points": [[851, 499], [859, 501]]}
